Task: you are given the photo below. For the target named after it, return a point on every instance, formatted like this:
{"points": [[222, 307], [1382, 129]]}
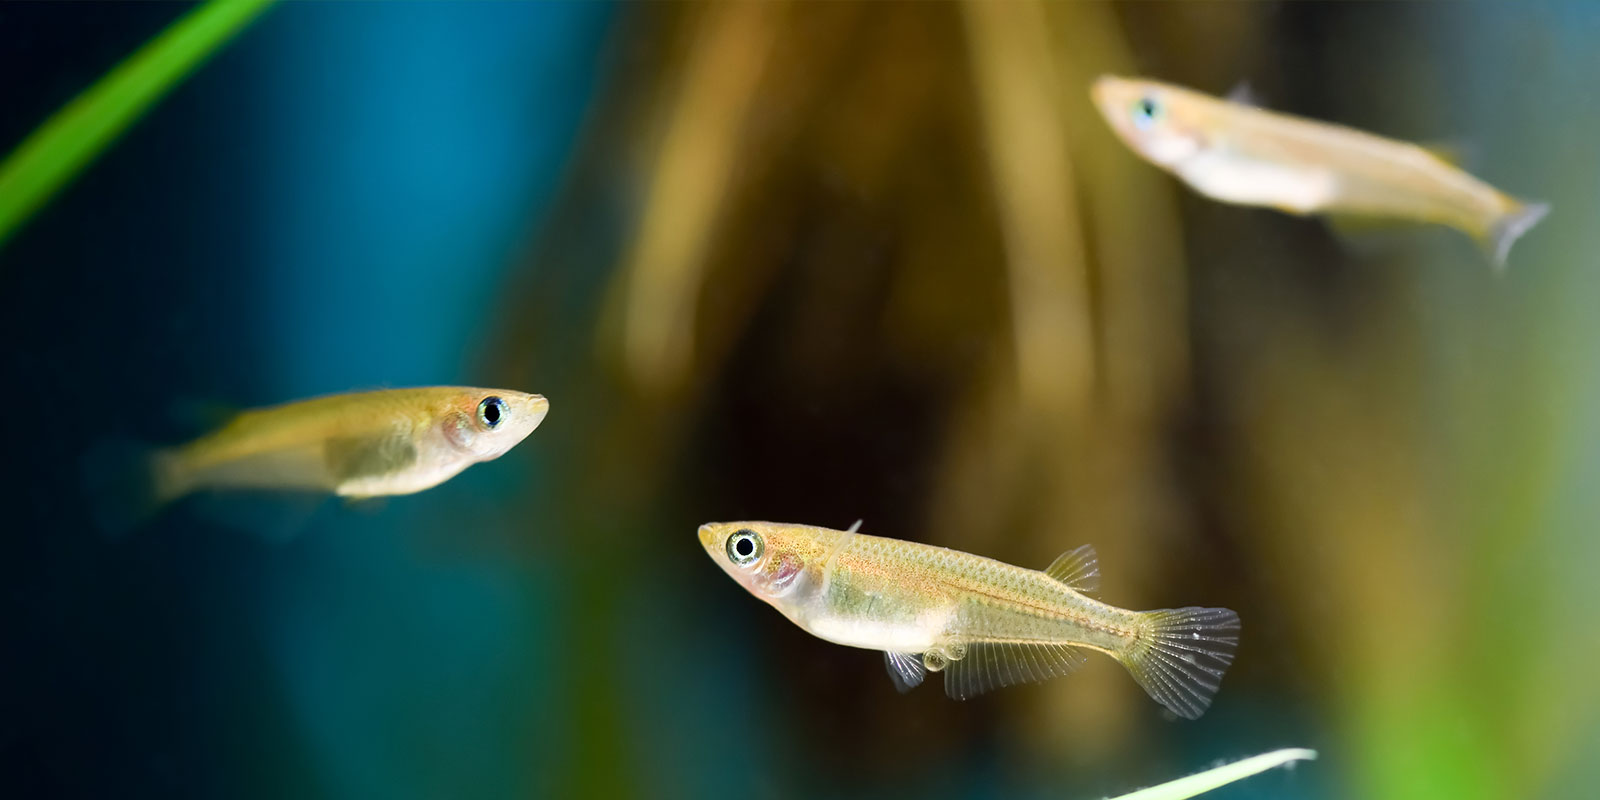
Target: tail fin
{"points": [[1181, 655], [126, 483], [1509, 227]]}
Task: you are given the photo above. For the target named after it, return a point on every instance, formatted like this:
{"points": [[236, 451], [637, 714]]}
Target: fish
{"points": [[356, 445], [1233, 151], [985, 624]]}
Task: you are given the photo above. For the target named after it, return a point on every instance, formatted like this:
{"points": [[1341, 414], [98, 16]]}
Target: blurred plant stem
{"points": [[60, 148], [1047, 272], [702, 128], [1218, 777]]}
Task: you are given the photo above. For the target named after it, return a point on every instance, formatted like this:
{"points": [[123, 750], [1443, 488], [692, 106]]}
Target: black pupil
{"points": [[491, 411], [1147, 107], [744, 547]]}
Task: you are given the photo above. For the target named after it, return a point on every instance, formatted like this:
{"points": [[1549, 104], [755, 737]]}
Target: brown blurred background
{"points": [[815, 262]]}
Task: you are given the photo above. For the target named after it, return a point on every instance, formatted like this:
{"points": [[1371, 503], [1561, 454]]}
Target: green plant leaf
{"points": [[60, 148], [1221, 776]]}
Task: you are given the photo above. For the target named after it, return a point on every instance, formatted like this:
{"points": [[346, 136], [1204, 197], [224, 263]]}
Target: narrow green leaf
{"points": [[1221, 776], [60, 148]]}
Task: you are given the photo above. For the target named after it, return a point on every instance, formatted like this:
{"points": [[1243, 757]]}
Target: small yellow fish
{"points": [[984, 623], [1237, 153], [357, 445]]}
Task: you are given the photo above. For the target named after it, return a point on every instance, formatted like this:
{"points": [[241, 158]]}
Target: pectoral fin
{"points": [[354, 457]]}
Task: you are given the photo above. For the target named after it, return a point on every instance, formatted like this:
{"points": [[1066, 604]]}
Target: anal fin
{"points": [[905, 669], [1368, 235], [1457, 154], [986, 666], [274, 517]]}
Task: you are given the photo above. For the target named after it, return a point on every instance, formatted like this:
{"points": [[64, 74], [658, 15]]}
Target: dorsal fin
{"points": [[1079, 569], [1456, 153], [201, 416], [1244, 95]]}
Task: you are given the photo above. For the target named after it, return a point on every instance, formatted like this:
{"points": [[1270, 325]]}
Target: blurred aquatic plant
{"points": [[872, 269], [702, 122], [1217, 777], [67, 142], [825, 225], [810, 262]]}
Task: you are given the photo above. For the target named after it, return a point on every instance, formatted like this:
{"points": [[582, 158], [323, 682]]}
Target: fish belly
{"points": [[1234, 178], [866, 614], [875, 635]]}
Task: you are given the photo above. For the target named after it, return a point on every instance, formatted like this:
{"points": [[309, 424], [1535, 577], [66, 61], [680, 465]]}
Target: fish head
{"points": [[485, 423], [775, 562], [1163, 123]]}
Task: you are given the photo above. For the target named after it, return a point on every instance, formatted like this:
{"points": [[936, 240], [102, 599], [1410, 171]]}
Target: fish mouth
{"points": [[1103, 91], [1112, 95], [1100, 88], [708, 535]]}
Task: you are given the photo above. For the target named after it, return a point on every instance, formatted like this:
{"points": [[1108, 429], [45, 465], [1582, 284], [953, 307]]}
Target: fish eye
{"points": [[744, 547], [491, 411], [1146, 110]]}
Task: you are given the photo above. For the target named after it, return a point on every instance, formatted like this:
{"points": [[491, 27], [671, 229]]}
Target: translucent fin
{"points": [[1243, 94], [1181, 656], [1366, 236], [1455, 154], [1353, 225], [855, 527], [992, 665], [1509, 228], [367, 505], [126, 483], [355, 457], [274, 517], [1079, 569], [201, 415], [905, 669]]}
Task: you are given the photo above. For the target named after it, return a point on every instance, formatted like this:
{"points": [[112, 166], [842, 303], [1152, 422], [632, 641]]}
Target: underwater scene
{"points": [[981, 399]]}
